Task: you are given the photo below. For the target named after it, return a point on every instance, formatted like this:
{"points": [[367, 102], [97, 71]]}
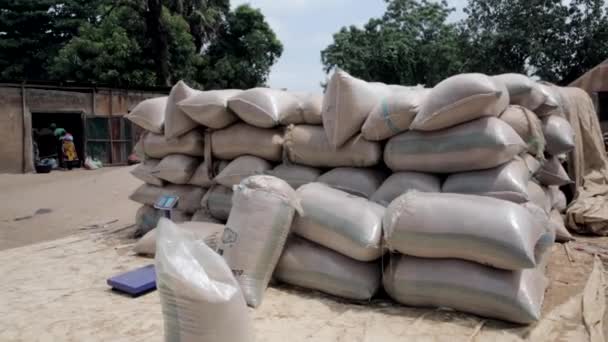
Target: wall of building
{"points": [[98, 102]]}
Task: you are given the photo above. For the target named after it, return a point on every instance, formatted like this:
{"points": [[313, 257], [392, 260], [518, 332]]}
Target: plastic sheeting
{"points": [[588, 166]]}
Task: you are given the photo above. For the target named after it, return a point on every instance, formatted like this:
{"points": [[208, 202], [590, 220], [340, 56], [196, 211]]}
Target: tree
{"points": [[32, 32], [555, 41], [242, 53], [412, 43]]}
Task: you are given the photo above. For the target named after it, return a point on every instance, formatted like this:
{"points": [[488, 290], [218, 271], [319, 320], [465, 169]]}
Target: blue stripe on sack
{"points": [[387, 118]]}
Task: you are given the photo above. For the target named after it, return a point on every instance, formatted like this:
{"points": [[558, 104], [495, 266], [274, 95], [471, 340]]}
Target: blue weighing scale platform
{"points": [[143, 280], [136, 282]]}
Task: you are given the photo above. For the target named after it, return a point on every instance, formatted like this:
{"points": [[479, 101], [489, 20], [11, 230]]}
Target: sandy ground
{"points": [[61, 294], [67, 201]]}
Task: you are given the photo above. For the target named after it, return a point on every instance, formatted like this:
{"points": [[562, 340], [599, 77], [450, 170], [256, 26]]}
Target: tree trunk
{"points": [[158, 35]]}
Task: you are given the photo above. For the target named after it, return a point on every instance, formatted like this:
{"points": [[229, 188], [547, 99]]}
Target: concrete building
{"points": [[94, 116]]}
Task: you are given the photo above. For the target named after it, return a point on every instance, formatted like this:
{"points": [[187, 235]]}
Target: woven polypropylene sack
{"points": [[202, 176], [393, 114], [189, 196], [241, 139], [264, 107], [310, 113], [523, 90], [552, 104], [559, 135], [218, 202], [401, 182], [347, 224], [346, 105], [553, 173], [311, 266], [514, 296], [508, 182], [539, 197], [208, 233], [295, 175], [146, 219], [241, 168], [176, 121], [263, 209], [361, 182], [200, 299], [149, 114], [308, 145], [558, 199], [561, 232], [191, 144], [460, 99], [476, 145], [144, 172], [176, 168], [485, 230], [528, 126], [210, 108], [532, 163]]}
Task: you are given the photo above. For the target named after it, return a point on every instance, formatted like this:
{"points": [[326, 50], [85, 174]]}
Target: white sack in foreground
{"points": [[200, 299], [262, 212], [241, 139], [460, 99], [347, 104], [508, 182], [476, 145], [308, 145], [210, 108], [401, 182], [311, 266], [481, 229], [515, 296], [342, 222], [149, 114]]}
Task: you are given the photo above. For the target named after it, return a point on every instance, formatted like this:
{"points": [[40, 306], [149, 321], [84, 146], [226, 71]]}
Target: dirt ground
{"points": [[66, 202], [85, 238]]}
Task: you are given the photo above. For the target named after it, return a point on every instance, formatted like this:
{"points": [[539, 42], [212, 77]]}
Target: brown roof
{"points": [[595, 80]]}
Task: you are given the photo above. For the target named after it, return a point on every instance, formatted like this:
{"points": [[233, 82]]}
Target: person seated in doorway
{"points": [[58, 132], [70, 157]]}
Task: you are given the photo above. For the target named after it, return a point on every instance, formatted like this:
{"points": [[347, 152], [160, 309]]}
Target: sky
{"points": [[305, 27]]}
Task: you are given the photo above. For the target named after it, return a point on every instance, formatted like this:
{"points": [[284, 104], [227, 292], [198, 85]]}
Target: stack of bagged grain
{"points": [[470, 247]]}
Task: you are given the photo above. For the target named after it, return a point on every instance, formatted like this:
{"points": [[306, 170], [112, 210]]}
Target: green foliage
{"points": [[32, 32], [411, 44], [242, 54], [133, 43], [550, 39]]}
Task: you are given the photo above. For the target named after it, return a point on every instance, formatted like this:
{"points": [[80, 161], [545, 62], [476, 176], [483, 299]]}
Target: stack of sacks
{"points": [[199, 144], [480, 255], [537, 116], [493, 248]]}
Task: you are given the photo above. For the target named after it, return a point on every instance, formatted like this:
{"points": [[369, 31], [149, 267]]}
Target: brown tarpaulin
{"points": [[588, 166], [595, 80]]}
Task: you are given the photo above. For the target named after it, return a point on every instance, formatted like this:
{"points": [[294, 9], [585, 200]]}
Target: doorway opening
{"points": [[46, 141]]}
